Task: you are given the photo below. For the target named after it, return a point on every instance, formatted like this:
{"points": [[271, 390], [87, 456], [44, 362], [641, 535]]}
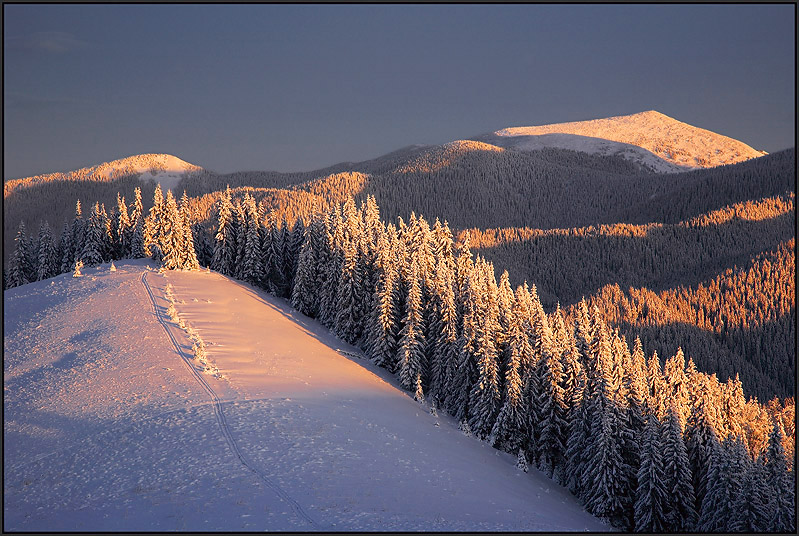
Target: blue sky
{"points": [[293, 87]]}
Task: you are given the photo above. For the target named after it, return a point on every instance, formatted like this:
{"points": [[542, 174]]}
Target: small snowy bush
{"points": [[173, 313], [78, 266], [521, 461], [465, 428]]}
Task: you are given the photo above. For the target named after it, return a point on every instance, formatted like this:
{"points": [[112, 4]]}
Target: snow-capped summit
{"points": [[650, 138], [165, 169]]}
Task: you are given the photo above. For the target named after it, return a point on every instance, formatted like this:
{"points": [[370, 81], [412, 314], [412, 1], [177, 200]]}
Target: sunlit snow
{"points": [[111, 424], [650, 138]]}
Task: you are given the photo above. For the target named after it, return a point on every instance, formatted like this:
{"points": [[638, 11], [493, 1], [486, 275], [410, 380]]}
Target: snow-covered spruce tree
{"points": [[781, 512], [681, 513], [631, 421], [605, 480], [47, 265], [240, 226], [21, 266], [108, 234], [383, 328], [700, 440], [169, 233], [582, 341], [296, 239], [464, 374], [372, 226], [634, 391], [319, 247], [547, 408], [252, 267], [657, 387], [151, 229], [636, 387], [510, 427], [285, 257], [750, 510], [553, 426], [373, 240], [94, 242], [277, 275], [505, 299], [444, 331], [442, 319], [579, 427], [348, 323], [265, 232], [137, 227], [652, 497], [330, 267], [677, 385], [203, 247], [78, 235], [304, 292], [582, 364], [366, 268], [224, 240], [399, 296], [188, 252], [485, 397], [723, 486], [463, 270], [66, 250], [411, 338], [601, 353], [123, 230]]}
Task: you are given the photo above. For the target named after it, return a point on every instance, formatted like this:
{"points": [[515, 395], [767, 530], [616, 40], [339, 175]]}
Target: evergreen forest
{"points": [[647, 442]]}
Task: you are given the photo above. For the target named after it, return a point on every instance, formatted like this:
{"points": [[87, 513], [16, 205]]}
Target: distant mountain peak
{"points": [[165, 169], [676, 143]]}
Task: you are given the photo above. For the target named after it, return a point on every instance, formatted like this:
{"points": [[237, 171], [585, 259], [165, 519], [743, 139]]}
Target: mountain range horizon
{"points": [[622, 135]]}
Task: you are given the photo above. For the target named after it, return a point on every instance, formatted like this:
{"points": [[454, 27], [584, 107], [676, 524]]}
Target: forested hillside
{"points": [[599, 415], [573, 223]]}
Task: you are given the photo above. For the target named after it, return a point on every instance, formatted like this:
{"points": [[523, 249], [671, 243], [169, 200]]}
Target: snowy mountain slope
{"points": [[598, 146], [672, 141], [110, 425], [163, 168]]}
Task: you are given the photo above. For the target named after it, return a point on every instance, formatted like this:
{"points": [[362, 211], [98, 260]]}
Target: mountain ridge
{"points": [[635, 137]]}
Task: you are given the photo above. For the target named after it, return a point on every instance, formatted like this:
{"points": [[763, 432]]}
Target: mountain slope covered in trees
{"points": [[604, 418], [575, 224]]}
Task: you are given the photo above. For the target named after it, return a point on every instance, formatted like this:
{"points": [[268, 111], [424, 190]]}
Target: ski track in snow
{"points": [[220, 414]]}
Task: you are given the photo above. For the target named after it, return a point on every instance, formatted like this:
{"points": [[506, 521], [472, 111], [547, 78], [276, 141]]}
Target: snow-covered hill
{"points": [[650, 138], [165, 169], [111, 425]]}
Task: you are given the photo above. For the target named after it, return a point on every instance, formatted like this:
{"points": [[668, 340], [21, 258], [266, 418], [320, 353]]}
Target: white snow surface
{"points": [[111, 425], [650, 138]]}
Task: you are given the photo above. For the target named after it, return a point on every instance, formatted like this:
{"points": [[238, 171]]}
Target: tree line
{"points": [[645, 447], [720, 284]]}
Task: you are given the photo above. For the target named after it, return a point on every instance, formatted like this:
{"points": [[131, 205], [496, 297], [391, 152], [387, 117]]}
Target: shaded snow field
{"points": [[112, 425]]}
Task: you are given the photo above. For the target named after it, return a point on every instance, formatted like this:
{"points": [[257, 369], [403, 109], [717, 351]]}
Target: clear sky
{"points": [[273, 87]]}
